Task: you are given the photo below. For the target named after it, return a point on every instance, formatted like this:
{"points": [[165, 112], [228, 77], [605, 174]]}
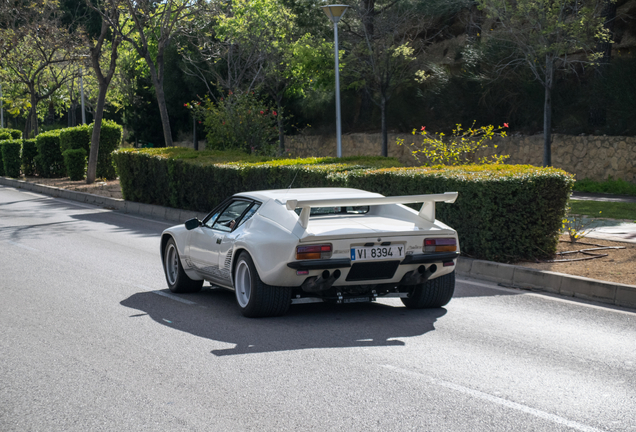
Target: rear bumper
{"points": [[327, 264], [429, 258]]}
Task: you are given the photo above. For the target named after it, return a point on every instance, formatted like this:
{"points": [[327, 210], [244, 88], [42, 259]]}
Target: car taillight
{"points": [[313, 252], [440, 245]]}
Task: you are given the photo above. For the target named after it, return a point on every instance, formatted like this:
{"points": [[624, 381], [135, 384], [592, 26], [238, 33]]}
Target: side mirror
{"points": [[193, 223]]}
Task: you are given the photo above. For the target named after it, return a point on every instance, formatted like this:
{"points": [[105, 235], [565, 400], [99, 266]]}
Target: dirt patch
{"points": [[107, 188], [618, 266]]}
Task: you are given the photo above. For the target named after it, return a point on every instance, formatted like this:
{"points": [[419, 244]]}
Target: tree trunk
{"points": [[281, 129], [104, 82], [195, 138], [598, 111], [91, 172], [32, 118], [157, 82], [547, 112], [385, 141], [368, 17]]}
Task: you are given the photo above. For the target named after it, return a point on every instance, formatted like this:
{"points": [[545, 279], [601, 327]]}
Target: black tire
{"points": [[434, 293], [177, 279], [254, 298]]}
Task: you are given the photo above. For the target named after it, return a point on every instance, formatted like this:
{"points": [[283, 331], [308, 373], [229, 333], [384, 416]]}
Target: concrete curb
{"points": [[129, 207], [510, 275], [559, 283]]}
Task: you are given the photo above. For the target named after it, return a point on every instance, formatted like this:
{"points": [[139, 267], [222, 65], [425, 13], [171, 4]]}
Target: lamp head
{"points": [[335, 12]]}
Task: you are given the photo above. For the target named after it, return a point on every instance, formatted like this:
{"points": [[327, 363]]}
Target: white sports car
{"points": [[279, 247]]}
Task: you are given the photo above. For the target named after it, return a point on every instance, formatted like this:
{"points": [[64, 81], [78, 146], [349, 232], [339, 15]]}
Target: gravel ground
{"points": [[618, 266]]}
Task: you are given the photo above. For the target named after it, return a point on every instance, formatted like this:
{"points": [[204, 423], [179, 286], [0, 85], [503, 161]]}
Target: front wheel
{"points": [[255, 298], [178, 280], [432, 294]]}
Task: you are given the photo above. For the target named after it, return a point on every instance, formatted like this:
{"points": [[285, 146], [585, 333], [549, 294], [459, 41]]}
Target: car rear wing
{"points": [[426, 212]]}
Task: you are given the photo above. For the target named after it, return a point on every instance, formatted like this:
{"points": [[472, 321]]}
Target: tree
{"points": [[155, 25], [546, 36], [598, 108], [37, 51], [110, 11], [388, 37], [255, 45], [267, 30]]}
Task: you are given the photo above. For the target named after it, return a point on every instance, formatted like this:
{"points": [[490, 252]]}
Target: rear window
{"points": [[321, 211]]}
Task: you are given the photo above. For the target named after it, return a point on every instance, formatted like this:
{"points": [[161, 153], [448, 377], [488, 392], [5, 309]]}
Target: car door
{"points": [[205, 241], [226, 247]]}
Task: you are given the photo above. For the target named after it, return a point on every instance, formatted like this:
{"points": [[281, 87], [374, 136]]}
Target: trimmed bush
{"points": [[49, 161], [10, 150], [29, 152], [184, 178], [110, 138], [503, 212], [75, 162], [78, 137], [10, 134]]}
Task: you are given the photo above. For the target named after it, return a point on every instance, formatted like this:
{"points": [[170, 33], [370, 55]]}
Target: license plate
{"points": [[357, 300], [369, 253]]}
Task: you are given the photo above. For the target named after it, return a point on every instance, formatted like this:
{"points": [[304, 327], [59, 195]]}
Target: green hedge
{"points": [[183, 178], [503, 212], [10, 150], [10, 134], [110, 138], [78, 137], [29, 152], [75, 162], [49, 161]]}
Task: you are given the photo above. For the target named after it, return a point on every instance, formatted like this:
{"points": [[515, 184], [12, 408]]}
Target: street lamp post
{"points": [[1, 109], [335, 12]]}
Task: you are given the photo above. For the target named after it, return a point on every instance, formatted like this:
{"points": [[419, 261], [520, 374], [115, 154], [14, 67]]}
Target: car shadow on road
{"points": [[213, 315]]}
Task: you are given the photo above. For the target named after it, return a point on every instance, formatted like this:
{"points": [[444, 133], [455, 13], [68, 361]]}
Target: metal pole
{"points": [[1, 109], [82, 93], [338, 127], [195, 139]]}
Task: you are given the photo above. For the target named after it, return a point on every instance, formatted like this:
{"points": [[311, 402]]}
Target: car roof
{"points": [[282, 195]]}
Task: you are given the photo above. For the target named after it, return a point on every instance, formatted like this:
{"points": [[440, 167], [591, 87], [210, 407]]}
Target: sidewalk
{"points": [[512, 276]]}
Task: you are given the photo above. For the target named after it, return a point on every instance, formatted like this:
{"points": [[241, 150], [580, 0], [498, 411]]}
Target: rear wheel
{"points": [[255, 298], [432, 294], [178, 280]]}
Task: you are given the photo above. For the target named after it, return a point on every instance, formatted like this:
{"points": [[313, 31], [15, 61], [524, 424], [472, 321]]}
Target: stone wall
{"points": [[594, 157]]}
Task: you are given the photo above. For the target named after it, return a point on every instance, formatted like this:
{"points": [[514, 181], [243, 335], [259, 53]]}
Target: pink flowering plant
{"points": [[239, 121], [459, 148]]}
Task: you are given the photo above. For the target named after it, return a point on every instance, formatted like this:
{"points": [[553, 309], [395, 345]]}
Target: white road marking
{"points": [[23, 246], [548, 295], [500, 401], [173, 297]]}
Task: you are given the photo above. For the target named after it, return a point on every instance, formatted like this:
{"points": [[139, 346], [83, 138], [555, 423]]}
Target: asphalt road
{"points": [[91, 340]]}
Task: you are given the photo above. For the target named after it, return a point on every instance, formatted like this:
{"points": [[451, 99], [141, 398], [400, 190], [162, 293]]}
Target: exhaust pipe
{"points": [[320, 283], [419, 275]]}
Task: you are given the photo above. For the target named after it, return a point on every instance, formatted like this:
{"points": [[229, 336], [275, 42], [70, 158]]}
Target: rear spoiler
{"points": [[426, 212]]}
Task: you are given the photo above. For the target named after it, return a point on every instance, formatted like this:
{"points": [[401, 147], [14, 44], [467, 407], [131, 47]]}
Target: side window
{"points": [[211, 220], [249, 214], [228, 218]]}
